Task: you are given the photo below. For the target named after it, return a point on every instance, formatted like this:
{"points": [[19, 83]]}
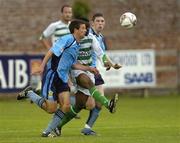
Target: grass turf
{"points": [[137, 120]]}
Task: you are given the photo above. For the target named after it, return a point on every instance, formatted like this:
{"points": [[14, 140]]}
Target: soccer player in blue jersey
{"points": [[56, 30], [55, 88], [84, 80]]}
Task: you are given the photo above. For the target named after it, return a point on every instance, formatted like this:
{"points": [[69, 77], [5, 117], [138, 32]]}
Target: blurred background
{"points": [[157, 29]]}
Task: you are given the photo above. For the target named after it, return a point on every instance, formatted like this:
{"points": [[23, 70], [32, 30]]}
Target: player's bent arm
{"points": [[47, 33], [47, 57], [46, 43], [85, 68], [108, 63], [45, 60], [114, 65], [100, 53]]}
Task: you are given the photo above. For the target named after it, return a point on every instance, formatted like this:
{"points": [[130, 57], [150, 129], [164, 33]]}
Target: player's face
{"points": [[82, 31], [67, 14], [98, 24]]}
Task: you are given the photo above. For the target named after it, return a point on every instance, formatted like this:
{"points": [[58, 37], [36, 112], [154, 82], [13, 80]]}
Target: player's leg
{"points": [[84, 81], [87, 130], [81, 100], [73, 98], [94, 113], [61, 90], [46, 101], [59, 114]]}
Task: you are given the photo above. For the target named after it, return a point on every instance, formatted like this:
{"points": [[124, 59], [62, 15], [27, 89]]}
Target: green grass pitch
{"points": [[137, 120]]}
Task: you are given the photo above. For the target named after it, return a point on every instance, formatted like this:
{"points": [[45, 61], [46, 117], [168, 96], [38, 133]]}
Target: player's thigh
{"points": [[64, 97], [84, 81]]}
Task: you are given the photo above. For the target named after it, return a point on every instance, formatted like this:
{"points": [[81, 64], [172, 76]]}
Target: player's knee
{"points": [[66, 107], [90, 104], [51, 107], [51, 110]]}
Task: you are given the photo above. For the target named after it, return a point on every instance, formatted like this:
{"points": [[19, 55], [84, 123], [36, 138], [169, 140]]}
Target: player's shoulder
{"points": [[91, 30], [68, 37], [55, 23], [65, 39], [90, 36]]}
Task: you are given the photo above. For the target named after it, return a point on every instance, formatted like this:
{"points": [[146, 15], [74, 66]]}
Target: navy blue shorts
{"points": [[58, 86], [52, 85], [98, 80], [47, 80]]}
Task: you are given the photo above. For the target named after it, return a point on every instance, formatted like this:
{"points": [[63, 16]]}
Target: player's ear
{"points": [[75, 30], [91, 23]]}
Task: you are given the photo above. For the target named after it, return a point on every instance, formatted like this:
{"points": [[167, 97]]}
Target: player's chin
{"points": [[68, 18], [82, 36], [100, 28]]}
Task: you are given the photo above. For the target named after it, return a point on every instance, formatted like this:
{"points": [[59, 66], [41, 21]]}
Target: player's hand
{"points": [[107, 65], [38, 71], [93, 70], [116, 66]]}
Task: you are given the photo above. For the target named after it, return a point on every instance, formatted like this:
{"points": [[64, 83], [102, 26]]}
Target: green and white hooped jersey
{"points": [[88, 45], [56, 30]]}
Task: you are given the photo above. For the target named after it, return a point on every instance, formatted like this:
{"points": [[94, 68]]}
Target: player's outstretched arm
{"points": [[108, 63], [85, 68]]}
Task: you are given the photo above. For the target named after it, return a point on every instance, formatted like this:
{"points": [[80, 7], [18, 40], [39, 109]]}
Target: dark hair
{"points": [[62, 8], [86, 21], [75, 24], [97, 15]]}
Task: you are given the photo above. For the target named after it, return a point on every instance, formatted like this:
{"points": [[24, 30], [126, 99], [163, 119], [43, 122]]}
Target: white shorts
{"points": [[76, 73]]}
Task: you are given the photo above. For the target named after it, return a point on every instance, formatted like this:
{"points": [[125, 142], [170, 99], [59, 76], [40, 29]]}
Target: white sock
{"points": [[87, 126]]}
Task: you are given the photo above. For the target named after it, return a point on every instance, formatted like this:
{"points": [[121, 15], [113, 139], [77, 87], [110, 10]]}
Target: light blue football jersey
{"points": [[65, 49]]}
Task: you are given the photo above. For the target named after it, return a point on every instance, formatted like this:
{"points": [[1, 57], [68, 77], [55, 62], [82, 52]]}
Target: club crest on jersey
{"points": [[50, 93]]}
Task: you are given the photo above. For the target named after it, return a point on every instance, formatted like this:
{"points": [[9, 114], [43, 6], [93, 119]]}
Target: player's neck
{"points": [[64, 21], [77, 37], [97, 32]]}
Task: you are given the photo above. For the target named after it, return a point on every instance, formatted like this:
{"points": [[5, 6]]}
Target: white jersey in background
{"points": [[56, 30]]}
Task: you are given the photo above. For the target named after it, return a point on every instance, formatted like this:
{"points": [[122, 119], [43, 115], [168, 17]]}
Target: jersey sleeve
{"points": [[96, 47], [49, 30], [59, 45]]}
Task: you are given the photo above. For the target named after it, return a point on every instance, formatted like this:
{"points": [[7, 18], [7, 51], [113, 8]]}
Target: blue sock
{"points": [[36, 98], [57, 117], [94, 113]]}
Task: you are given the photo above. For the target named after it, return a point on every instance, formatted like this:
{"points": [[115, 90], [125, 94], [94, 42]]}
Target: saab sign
{"points": [[138, 69], [15, 71]]}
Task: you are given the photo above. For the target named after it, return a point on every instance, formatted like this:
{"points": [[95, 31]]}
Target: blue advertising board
{"points": [[15, 71]]}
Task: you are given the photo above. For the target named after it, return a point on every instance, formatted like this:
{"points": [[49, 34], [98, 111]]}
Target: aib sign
{"points": [[15, 71]]}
